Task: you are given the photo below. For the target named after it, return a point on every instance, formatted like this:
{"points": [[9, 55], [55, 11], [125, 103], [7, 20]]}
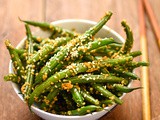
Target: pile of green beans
{"points": [[70, 73]]}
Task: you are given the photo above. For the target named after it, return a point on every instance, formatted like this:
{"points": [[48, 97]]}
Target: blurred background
{"points": [[11, 107]]}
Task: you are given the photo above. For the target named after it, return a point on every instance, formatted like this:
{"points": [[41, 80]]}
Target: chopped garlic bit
{"points": [[67, 86]]}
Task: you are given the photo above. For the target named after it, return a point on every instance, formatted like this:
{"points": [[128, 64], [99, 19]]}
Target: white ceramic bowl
{"points": [[80, 26]]}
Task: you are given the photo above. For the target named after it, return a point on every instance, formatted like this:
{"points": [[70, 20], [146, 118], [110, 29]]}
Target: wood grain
{"points": [[154, 59], [13, 108], [145, 83], [153, 20]]}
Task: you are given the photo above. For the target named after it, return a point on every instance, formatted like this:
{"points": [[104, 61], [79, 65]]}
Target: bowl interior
{"points": [[80, 26]]}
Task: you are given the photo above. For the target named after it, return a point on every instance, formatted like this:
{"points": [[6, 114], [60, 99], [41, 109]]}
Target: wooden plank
{"points": [[145, 83], [153, 20], [11, 107], [154, 58]]}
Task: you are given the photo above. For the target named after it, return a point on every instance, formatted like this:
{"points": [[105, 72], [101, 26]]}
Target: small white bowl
{"points": [[80, 26]]}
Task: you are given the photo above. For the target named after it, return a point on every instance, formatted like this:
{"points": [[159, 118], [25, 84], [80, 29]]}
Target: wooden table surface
{"points": [[12, 108]]}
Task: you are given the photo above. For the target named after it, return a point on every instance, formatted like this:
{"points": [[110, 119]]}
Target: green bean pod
{"points": [[77, 97], [125, 74], [37, 39], [50, 26], [87, 78], [27, 86], [124, 89], [134, 65], [17, 63], [12, 77], [83, 110], [94, 45], [107, 93], [87, 97], [107, 102], [47, 49], [129, 39], [135, 53], [50, 98], [126, 48], [19, 51]]}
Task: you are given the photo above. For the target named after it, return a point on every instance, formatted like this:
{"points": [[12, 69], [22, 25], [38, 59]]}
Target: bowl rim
{"points": [[14, 85]]}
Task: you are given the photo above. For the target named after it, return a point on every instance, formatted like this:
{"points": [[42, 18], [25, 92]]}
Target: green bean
{"points": [[22, 54], [125, 74], [106, 93], [129, 39], [58, 41], [50, 26], [83, 110], [135, 53], [19, 68], [114, 46], [104, 78], [124, 89], [134, 65], [126, 48], [37, 39], [27, 86], [50, 98], [12, 77], [95, 29], [89, 98], [123, 60], [43, 62], [118, 61], [94, 45], [106, 102], [107, 52], [51, 64], [19, 51], [108, 49], [77, 97], [48, 48], [57, 68]]}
